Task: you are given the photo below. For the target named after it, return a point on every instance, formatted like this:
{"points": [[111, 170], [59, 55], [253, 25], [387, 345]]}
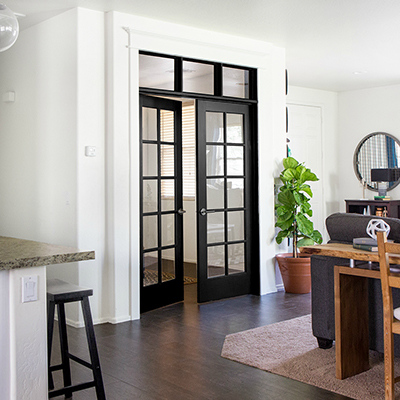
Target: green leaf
{"points": [[307, 189], [286, 216], [304, 225], [290, 162], [282, 235], [316, 236], [307, 175], [290, 174], [286, 198], [300, 198], [305, 207], [286, 224], [305, 242], [281, 210], [300, 169]]}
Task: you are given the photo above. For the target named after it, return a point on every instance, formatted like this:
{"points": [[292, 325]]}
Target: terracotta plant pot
{"points": [[296, 272]]}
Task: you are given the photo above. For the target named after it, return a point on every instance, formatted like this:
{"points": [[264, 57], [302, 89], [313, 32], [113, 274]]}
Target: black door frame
{"points": [[163, 293], [251, 101], [238, 284]]}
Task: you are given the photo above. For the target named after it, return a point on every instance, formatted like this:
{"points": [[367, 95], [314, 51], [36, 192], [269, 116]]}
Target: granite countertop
{"points": [[19, 253]]}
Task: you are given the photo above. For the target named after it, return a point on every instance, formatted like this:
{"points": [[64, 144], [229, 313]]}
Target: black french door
{"points": [[225, 204], [161, 231]]}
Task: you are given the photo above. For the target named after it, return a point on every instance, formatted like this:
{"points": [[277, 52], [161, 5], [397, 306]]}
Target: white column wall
{"points": [[50, 191], [91, 198]]}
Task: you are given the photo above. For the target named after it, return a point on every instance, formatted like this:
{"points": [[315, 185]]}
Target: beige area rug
{"points": [[289, 349]]}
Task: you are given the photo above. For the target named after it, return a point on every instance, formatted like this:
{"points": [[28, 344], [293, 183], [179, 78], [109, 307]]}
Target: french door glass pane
{"points": [[156, 72], [198, 77], [215, 227], [168, 265], [150, 232], [167, 160], [215, 193], [215, 261], [215, 160], [234, 162], [167, 131], [149, 123], [150, 195], [235, 193], [234, 128], [150, 159], [214, 127], [150, 268], [236, 258], [167, 194], [168, 229], [235, 225]]}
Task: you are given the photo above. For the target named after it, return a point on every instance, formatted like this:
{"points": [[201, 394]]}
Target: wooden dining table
{"points": [[351, 303]]}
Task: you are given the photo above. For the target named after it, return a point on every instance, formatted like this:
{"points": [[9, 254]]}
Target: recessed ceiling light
{"points": [[359, 72]]}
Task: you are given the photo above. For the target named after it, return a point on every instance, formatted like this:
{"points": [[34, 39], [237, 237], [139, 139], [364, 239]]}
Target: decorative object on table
{"points": [[9, 28], [293, 210], [379, 211], [364, 186], [370, 243], [383, 176], [377, 225]]}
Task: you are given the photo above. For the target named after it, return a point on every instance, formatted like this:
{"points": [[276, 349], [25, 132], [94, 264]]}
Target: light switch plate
{"points": [[90, 151], [29, 288]]}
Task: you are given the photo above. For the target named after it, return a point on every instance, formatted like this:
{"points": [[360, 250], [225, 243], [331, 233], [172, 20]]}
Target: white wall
{"points": [[49, 191], [331, 148], [362, 112]]}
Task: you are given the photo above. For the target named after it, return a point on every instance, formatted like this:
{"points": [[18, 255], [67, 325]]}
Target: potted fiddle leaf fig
{"points": [[293, 211]]}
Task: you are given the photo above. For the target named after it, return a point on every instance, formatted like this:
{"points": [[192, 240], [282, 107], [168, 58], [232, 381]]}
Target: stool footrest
{"points": [[80, 361], [72, 388], [73, 358]]}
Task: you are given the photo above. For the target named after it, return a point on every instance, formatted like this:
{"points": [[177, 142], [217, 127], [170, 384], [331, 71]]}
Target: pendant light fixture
{"points": [[9, 28]]}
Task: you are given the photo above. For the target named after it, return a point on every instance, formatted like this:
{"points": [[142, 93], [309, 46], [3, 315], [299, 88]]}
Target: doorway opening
{"points": [[199, 180]]}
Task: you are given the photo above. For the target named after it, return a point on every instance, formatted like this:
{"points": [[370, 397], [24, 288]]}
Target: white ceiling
{"points": [[326, 41]]}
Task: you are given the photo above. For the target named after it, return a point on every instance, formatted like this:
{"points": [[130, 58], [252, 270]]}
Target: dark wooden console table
{"points": [[358, 206]]}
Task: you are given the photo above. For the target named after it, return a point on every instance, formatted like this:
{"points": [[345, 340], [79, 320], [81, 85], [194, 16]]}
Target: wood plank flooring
{"points": [[174, 353]]}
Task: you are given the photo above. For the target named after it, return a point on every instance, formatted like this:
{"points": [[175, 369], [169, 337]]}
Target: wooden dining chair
{"points": [[390, 324]]}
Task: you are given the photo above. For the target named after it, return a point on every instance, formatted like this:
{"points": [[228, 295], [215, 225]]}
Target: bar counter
{"points": [[23, 325]]}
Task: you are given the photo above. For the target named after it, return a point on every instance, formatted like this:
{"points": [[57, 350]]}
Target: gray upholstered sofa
{"points": [[342, 228]]}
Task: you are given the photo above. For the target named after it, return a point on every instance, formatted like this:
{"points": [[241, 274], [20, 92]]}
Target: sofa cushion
{"points": [[344, 227]]}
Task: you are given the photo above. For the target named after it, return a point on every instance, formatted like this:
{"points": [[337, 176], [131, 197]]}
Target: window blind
{"points": [[188, 151]]}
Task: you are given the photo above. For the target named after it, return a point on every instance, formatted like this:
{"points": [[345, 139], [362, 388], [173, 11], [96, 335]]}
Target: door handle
{"points": [[203, 212], [181, 211]]}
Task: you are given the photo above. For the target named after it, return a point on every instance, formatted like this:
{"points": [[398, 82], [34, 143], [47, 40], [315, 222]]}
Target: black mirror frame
{"points": [[355, 162]]}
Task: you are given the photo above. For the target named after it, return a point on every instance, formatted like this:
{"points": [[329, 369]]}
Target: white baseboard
{"points": [[280, 287]]}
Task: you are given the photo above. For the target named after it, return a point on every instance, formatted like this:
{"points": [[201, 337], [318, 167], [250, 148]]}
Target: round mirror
{"points": [[377, 150]]}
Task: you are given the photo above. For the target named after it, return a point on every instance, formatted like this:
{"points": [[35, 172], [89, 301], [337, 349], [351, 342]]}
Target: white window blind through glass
{"points": [[188, 151]]}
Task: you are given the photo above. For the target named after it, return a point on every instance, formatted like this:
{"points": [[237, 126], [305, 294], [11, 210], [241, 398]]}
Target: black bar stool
{"points": [[59, 293]]}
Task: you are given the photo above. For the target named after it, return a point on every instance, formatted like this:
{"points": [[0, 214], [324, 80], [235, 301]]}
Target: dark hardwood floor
{"points": [[173, 353]]}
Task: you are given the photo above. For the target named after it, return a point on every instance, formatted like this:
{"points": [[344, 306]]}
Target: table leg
{"points": [[351, 324]]}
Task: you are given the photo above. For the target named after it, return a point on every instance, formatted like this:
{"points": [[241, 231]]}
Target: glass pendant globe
{"points": [[9, 28]]}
